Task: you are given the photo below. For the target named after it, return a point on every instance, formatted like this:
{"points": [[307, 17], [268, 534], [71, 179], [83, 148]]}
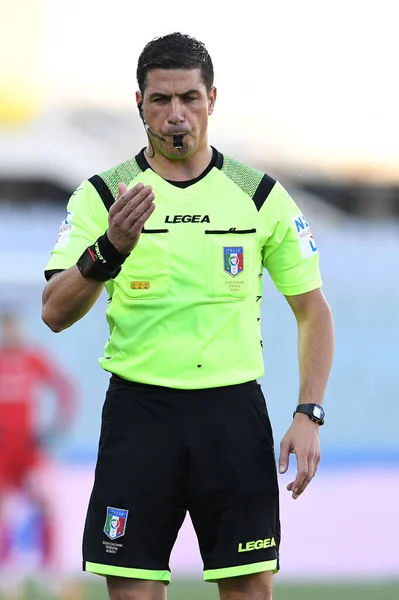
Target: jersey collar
{"points": [[216, 161]]}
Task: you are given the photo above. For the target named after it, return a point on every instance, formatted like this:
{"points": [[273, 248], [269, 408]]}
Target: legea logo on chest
{"points": [[187, 219]]}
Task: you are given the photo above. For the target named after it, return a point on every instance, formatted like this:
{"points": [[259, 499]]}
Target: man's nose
{"points": [[177, 113]]}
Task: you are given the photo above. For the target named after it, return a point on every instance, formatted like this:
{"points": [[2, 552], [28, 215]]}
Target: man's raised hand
{"points": [[128, 214]]}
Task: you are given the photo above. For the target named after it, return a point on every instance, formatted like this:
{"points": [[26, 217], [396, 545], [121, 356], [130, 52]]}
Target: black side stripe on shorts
{"points": [[103, 191], [263, 190]]}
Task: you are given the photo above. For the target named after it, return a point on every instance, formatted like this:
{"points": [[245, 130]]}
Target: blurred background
{"points": [[307, 92]]}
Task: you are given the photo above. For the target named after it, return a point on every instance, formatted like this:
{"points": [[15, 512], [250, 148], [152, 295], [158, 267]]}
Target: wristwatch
{"points": [[315, 412]]}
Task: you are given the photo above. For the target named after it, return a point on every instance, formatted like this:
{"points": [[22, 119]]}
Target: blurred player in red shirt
{"points": [[26, 372]]}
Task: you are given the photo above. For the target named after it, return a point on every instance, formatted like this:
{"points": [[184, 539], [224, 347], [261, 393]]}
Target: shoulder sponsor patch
{"points": [[115, 522], [306, 239], [65, 231]]}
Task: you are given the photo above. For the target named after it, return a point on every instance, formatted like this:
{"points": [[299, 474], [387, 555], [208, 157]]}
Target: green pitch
{"points": [[187, 590], [190, 591]]}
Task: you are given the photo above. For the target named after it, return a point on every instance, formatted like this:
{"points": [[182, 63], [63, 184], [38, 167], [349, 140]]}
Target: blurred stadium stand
{"points": [[48, 156]]}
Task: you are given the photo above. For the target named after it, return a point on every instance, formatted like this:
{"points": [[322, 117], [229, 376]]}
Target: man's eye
{"points": [[191, 97], [160, 100]]}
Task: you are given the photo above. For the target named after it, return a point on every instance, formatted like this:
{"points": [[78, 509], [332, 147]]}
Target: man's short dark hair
{"points": [[175, 51]]}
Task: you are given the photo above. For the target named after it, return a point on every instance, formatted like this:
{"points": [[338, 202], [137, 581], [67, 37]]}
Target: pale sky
{"points": [[316, 81]]}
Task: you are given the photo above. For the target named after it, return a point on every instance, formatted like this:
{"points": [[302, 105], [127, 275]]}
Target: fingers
{"points": [[128, 214], [143, 218], [133, 214], [307, 467], [297, 486], [138, 192], [284, 460], [122, 188], [131, 205], [316, 464]]}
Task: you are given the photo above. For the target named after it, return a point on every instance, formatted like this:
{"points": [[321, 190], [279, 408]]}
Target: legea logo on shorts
{"points": [[257, 545], [115, 522]]}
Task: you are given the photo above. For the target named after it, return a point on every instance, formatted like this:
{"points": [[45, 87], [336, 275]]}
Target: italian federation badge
{"points": [[115, 522], [233, 260]]}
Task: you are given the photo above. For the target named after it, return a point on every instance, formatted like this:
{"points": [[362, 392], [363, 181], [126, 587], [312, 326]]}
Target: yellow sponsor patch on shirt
{"points": [[140, 285]]}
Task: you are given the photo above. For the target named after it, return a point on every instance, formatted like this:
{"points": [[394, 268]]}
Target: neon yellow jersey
{"points": [[184, 312]]}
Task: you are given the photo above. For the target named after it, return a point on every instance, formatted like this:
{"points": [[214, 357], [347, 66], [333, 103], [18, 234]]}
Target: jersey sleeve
{"points": [[290, 254], [86, 220]]}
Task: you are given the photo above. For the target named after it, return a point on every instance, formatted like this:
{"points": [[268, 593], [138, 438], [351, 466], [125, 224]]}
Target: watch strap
{"points": [[314, 411]]}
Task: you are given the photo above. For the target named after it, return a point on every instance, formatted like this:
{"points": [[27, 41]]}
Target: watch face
{"points": [[318, 412]]}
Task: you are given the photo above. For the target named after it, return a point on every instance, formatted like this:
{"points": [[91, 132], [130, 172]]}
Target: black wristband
{"points": [[101, 261], [108, 257]]}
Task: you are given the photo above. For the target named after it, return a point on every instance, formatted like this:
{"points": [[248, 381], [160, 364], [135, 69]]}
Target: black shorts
{"points": [[163, 452]]}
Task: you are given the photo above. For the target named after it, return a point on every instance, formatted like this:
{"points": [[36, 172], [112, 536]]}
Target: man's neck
{"points": [[180, 170]]}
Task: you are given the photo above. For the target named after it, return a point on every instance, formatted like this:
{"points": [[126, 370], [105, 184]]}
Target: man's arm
{"points": [[315, 343], [68, 296], [315, 354]]}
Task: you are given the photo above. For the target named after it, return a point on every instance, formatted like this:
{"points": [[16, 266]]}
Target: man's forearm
{"points": [[315, 352], [67, 297]]}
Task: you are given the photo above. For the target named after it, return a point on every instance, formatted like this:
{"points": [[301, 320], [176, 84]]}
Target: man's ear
{"points": [[139, 98], [212, 100]]}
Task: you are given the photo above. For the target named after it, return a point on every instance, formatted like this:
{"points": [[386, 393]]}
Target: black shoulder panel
{"points": [[263, 190], [103, 190]]}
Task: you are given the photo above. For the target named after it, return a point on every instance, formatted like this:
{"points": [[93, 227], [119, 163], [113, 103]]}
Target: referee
{"points": [[179, 236]]}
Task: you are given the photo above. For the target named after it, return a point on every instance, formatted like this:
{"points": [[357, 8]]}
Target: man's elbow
{"points": [[51, 321], [320, 310]]}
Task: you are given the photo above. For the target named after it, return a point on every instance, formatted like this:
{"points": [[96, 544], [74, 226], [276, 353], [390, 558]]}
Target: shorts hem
{"points": [[151, 575], [213, 575]]}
